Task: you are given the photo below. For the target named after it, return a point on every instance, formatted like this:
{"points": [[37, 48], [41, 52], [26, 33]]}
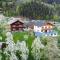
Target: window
{"points": [[14, 29], [50, 26], [20, 25], [13, 25], [45, 30], [47, 26], [44, 27], [20, 28]]}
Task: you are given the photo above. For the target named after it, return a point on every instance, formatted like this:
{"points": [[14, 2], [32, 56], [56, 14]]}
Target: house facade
{"points": [[44, 29], [17, 26], [47, 27]]}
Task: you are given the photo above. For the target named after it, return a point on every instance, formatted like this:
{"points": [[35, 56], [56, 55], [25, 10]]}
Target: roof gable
{"points": [[37, 23], [13, 20], [48, 23], [18, 22]]}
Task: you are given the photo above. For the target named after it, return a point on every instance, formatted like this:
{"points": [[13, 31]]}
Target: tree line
{"points": [[35, 9]]}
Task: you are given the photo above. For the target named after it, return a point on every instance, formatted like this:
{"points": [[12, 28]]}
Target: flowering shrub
{"points": [[9, 51], [12, 48], [40, 50], [52, 49], [36, 46], [23, 49]]}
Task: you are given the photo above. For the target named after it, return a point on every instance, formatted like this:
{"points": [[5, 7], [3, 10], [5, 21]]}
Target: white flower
{"points": [[24, 56], [52, 48], [17, 46], [10, 42], [21, 46], [13, 57], [36, 46], [10, 49]]}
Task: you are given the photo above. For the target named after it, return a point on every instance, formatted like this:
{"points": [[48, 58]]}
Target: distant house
{"points": [[15, 24], [37, 29], [41, 28], [47, 27], [34, 25]]}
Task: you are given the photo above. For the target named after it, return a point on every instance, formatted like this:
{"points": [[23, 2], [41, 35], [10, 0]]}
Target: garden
{"points": [[25, 46]]}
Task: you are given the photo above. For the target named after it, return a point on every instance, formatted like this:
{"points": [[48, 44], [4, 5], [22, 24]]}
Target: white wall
{"points": [[37, 29]]}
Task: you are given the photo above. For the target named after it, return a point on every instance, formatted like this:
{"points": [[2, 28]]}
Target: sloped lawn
{"points": [[20, 36]]}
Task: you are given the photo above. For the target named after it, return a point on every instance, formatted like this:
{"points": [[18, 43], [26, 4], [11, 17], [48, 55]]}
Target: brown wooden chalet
{"points": [[17, 26]]}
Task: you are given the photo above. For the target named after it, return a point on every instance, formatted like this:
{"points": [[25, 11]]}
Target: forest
{"points": [[33, 9]]}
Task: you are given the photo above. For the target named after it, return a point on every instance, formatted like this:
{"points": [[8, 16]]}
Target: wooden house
{"points": [[17, 26]]}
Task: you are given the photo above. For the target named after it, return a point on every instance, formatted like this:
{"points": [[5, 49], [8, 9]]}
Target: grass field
{"points": [[21, 36]]}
